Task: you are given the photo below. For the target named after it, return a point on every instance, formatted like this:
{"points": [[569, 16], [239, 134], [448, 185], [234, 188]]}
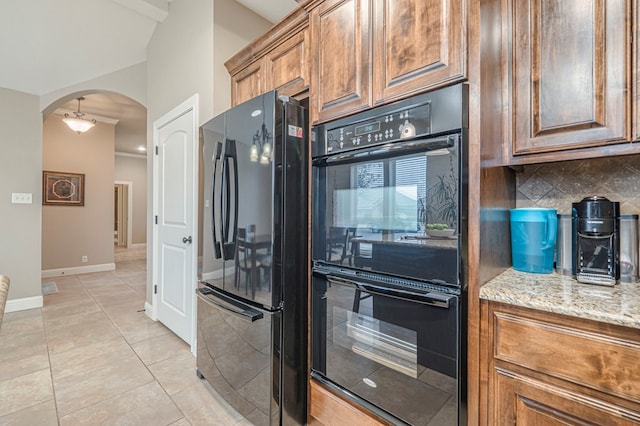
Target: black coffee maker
{"points": [[597, 257]]}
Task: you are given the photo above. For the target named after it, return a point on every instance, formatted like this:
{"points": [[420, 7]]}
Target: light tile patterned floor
{"points": [[91, 356]]}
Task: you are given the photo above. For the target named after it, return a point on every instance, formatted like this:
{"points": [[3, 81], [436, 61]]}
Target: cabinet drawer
{"points": [[329, 410], [589, 359]]}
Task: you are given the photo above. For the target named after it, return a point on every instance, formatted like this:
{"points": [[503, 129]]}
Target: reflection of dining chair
{"points": [[263, 256], [357, 298], [265, 268], [251, 230], [340, 246], [335, 243], [347, 248], [244, 259], [362, 254]]}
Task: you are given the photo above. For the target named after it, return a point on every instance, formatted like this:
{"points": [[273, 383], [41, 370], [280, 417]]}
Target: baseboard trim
{"points": [[138, 245], [148, 310], [50, 273], [213, 275], [23, 304]]}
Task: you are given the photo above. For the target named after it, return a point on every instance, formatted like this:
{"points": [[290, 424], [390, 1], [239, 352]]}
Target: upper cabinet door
{"points": [[570, 71], [340, 46], [248, 83], [287, 66], [417, 45]]}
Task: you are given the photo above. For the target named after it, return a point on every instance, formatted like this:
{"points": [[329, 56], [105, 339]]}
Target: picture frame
{"points": [[62, 188]]}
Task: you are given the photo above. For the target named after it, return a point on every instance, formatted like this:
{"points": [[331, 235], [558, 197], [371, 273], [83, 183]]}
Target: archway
{"points": [[81, 240]]}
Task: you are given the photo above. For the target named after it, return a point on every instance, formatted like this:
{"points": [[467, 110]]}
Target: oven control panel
{"points": [[425, 115], [405, 123]]}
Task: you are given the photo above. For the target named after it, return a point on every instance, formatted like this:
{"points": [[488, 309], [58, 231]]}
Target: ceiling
{"points": [[50, 45], [271, 10]]}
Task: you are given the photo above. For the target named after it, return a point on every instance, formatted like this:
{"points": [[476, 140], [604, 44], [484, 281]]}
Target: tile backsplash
{"points": [[557, 185]]}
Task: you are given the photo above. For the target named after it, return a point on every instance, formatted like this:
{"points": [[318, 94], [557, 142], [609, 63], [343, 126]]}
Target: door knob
{"points": [[187, 240]]}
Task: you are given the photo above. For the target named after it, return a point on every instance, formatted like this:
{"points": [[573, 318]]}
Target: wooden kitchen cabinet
{"points": [[340, 58], [371, 52], [286, 66], [545, 368], [636, 70], [327, 409], [569, 76], [248, 83], [278, 60], [416, 45]]}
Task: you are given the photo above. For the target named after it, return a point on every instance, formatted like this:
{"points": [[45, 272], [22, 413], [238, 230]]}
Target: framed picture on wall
{"points": [[62, 189]]}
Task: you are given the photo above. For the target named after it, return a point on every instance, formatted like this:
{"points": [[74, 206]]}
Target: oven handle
{"points": [[236, 308], [440, 300], [398, 147]]}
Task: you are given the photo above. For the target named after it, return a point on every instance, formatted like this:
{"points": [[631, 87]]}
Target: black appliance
{"points": [[597, 257], [252, 298], [388, 323]]}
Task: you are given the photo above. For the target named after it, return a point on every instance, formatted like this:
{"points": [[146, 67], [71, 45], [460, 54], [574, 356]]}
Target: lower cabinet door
{"points": [[525, 401]]}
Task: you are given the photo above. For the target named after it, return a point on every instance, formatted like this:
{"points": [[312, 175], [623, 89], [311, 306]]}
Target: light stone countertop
{"points": [[561, 294]]}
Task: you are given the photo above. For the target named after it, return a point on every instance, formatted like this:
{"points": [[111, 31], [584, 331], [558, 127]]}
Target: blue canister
{"points": [[533, 239]]}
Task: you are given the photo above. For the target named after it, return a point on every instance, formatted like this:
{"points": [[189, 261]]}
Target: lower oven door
{"points": [[391, 352], [238, 354]]}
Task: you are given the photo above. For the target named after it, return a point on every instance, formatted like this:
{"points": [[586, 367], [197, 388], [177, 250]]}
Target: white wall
{"points": [[21, 171]]}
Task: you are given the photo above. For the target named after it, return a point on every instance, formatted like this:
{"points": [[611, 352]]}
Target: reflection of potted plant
{"points": [[443, 198], [422, 214]]}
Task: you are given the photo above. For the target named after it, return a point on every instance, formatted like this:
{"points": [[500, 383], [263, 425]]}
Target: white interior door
{"points": [[176, 216]]}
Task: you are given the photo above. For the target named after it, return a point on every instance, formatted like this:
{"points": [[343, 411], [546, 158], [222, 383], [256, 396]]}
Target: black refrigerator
{"points": [[252, 296]]}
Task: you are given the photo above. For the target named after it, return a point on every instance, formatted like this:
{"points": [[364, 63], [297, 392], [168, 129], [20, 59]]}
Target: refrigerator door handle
{"points": [[233, 154], [230, 305], [230, 228], [216, 160]]}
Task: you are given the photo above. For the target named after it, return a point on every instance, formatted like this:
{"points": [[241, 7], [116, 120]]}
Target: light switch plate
{"points": [[21, 198]]}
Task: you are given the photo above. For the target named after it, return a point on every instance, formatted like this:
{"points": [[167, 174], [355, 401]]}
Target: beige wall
{"points": [[180, 63], [21, 171], [130, 81], [70, 232], [235, 26], [134, 169], [180, 60]]}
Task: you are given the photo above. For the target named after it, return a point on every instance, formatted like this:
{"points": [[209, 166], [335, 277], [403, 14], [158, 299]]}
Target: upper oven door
{"points": [[371, 208]]}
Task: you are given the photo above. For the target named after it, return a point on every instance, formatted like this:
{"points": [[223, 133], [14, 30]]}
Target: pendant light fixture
{"points": [[262, 140], [261, 147], [77, 122]]}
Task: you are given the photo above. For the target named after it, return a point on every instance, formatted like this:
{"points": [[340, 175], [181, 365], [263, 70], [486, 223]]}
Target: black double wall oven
{"points": [[389, 225]]}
